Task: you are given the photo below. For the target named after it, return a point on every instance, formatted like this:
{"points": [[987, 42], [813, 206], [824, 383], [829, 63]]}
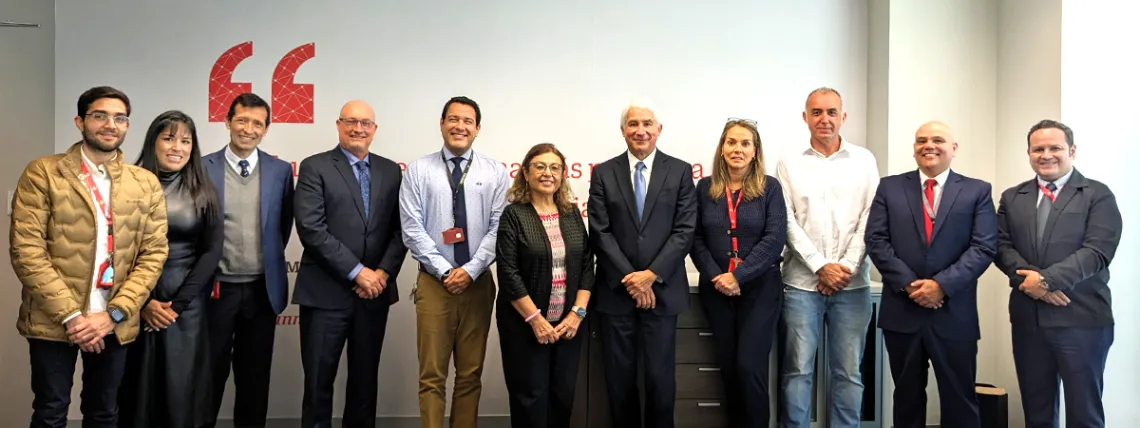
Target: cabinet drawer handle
{"points": [[704, 334], [708, 404], [708, 369]]}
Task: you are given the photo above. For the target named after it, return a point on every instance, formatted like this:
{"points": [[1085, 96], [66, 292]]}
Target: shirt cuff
{"points": [[355, 271], [71, 317], [816, 262]]}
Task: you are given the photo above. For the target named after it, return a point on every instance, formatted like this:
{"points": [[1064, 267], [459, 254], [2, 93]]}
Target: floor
{"points": [[410, 422]]}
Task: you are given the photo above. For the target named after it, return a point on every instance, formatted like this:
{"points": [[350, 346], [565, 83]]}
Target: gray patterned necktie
{"points": [[1043, 209]]}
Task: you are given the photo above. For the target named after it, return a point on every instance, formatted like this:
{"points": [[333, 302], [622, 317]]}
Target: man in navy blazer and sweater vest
{"points": [[932, 233], [251, 288]]}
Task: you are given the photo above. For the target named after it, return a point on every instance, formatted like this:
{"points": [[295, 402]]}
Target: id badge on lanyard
{"points": [[735, 260], [106, 277]]}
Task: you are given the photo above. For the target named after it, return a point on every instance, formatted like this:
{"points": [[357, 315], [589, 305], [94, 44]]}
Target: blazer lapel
{"points": [[625, 183], [215, 165], [341, 162], [659, 175], [375, 177], [914, 201], [949, 195], [1075, 185], [1025, 206]]}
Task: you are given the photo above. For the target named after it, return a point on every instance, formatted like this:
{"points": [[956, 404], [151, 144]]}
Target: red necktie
{"points": [[926, 210]]}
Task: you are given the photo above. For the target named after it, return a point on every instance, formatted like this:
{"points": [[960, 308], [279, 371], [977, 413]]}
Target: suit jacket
{"points": [[525, 263], [962, 248], [762, 234], [658, 241], [337, 236], [276, 216], [1081, 236]]}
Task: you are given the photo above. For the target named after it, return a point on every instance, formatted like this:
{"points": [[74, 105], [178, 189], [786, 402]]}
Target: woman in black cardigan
{"points": [[545, 272], [739, 266]]}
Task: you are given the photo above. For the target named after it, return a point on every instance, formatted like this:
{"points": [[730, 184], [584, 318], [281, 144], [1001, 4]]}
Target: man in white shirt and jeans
{"points": [[828, 189]]}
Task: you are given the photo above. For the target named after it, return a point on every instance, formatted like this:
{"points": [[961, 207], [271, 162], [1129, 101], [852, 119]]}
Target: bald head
{"points": [[934, 148], [357, 126]]}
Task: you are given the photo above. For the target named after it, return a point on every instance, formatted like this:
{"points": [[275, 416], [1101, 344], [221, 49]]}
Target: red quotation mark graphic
{"points": [[291, 102]]}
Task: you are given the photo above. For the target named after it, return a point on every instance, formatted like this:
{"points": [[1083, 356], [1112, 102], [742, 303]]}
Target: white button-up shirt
{"points": [[828, 200], [939, 184], [633, 160]]}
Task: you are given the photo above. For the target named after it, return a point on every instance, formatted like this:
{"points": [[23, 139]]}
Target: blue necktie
{"points": [[244, 164], [639, 188], [459, 209], [365, 184]]}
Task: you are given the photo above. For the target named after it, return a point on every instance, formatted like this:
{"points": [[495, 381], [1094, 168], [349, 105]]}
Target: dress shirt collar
{"points": [[352, 159], [98, 170], [233, 158], [940, 179], [1060, 181], [633, 160], [842, 152]]}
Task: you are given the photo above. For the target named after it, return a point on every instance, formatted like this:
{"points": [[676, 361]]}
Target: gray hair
{"points": [[824, 90], [642, 103]]}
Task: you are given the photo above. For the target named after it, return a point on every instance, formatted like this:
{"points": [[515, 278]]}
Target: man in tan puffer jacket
{"points": [[77, 295]]}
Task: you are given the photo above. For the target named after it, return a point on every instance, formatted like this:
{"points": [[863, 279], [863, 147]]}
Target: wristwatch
{"points": [[1041, 280], [116, 315], [659, 279], [579, 310], [446, 274]]}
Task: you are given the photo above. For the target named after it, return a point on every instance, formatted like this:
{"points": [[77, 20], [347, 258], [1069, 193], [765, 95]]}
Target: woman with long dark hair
{"points": [[167, 381]]}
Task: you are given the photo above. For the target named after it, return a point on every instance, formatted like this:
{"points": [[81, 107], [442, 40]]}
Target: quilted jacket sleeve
{"points": [[31, 213]]}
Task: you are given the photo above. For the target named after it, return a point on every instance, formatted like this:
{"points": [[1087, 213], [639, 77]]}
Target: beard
{"points": [[92, 140]]}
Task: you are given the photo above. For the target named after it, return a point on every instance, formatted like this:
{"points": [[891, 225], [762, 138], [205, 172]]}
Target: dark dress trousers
{"points": [[540, 378], [744, 326], [962, 247], [1054, 344], [167, 382], [242, 320], [337, 235], [658, 240]]}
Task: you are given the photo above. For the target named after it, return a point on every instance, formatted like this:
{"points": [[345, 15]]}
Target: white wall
{"points": [[1097, 92], [1028, 90], [542, 71], [26, 87]]}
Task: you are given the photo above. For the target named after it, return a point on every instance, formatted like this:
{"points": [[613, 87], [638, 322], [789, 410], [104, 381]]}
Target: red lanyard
{"points": [[1048, 193], [735, 260], [106, 277]]}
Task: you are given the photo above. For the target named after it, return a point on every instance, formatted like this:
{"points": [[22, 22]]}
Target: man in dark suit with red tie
{"points": [[932, 233]]}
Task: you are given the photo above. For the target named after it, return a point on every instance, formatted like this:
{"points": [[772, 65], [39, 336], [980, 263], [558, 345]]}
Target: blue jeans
{"points": [[847, 315]]}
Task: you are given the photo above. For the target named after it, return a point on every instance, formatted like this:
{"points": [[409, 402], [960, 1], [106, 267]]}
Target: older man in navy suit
{"points": [[932, 233], [256, 191]]}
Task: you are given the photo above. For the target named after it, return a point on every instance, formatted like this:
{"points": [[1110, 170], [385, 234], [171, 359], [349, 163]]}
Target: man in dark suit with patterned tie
{"points": [[643, 215], [349, 223], [932, 233], [1057, 234]]}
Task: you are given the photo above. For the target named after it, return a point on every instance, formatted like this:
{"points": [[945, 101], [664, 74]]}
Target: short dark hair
{"points": [[97, 93], [464, 101], [249, 100], [1046, 124]]}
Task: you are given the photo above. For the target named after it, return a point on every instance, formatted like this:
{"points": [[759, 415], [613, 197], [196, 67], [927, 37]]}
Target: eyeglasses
{"points": [[735, 120], [540, 168], [351, 123], [102, 117]]}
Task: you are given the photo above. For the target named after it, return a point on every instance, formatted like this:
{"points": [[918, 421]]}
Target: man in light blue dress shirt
{"points": [[450, 202]]}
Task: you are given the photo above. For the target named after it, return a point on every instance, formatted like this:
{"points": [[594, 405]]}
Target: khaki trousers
{"points": [[445, 323]]}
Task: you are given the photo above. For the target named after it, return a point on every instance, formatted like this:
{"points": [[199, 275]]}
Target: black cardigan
{"points": [[524, 261]]}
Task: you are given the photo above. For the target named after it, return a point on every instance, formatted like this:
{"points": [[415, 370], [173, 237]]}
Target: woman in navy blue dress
{"points": [[741, 232]]}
